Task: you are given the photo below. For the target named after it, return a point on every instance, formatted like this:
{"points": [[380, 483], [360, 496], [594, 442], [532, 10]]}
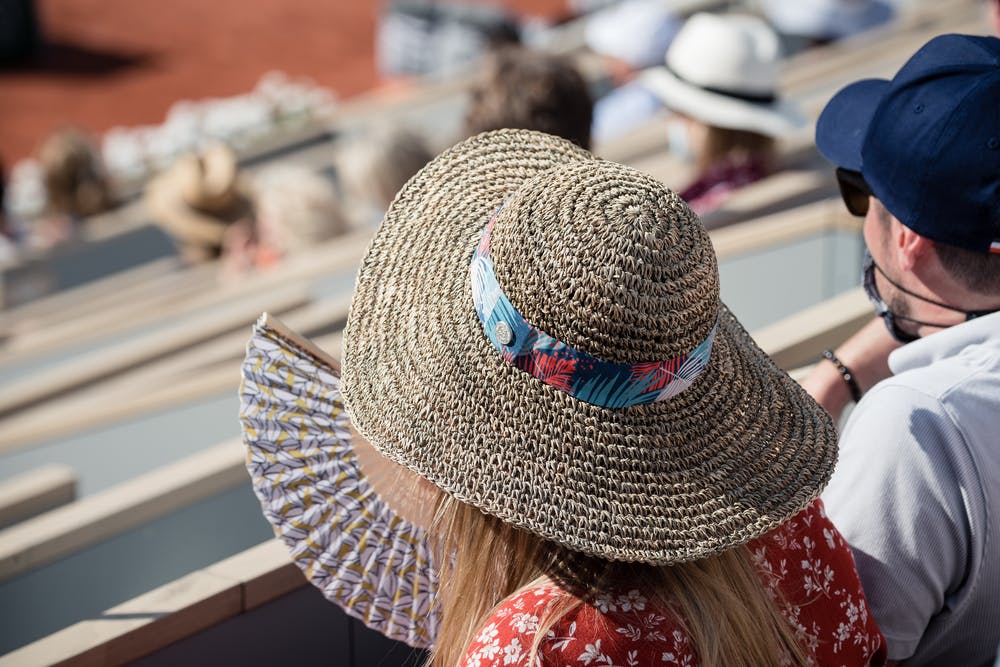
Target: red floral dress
{"points": [[805, 559]]}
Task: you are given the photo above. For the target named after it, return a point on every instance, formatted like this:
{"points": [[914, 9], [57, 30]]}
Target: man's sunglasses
{"points": [[891, 318], [854, 190]]}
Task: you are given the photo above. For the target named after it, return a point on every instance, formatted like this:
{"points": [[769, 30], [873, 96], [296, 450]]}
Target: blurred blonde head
{"points": [[374, 166], [296, 208]]}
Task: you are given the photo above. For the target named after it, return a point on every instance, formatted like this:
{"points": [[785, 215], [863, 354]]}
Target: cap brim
{"points": [[841, 128], [735, 454], [774, 120]]}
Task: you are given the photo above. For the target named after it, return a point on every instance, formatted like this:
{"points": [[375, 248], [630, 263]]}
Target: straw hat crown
{"points": [[609, 261], [605, 262]]}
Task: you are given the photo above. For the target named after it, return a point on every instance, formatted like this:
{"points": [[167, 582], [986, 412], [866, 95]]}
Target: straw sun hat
{"points": [[723, 71], [619, 280]]}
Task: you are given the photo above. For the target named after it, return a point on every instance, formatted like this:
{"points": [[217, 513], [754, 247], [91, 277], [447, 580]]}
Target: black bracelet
{"points": [[845, 374]]}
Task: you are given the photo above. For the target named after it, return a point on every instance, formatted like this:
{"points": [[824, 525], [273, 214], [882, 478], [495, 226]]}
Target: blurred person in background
{"points": [[629, 37], [994, 9], [530, 90], [372, 167], [806, 23], [296, 209], [8, 242], [76, 185], [439, 38], [721, 79], [198, 198]]}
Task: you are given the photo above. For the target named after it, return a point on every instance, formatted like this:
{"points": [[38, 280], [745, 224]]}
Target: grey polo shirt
{"points": [[916, 492]]}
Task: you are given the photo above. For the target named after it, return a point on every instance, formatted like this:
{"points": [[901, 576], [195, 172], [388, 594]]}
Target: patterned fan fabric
{"points": [[370, 561]]}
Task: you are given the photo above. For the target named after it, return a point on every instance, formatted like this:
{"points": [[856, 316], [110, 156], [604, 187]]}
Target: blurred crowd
{"points": [[717, 74]]}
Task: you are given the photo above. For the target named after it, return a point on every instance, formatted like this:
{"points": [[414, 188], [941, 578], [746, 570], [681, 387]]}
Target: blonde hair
{"points": [[299, 206], [374, 166], [720, 601]]}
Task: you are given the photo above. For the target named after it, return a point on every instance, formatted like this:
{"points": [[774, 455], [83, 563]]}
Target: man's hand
{"points": [[866, 354]]}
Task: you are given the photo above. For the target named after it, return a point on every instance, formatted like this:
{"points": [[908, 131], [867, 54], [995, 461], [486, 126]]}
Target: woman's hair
{"points": [[531, 90], [723, 143], [75, 180], [299, 206], [719, 601]]}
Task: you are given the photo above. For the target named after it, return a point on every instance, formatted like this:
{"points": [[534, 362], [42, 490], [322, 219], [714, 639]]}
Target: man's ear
{"points": [[910, 247]]}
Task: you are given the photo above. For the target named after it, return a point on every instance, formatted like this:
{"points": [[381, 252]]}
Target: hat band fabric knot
{"points": [[569, 370]]}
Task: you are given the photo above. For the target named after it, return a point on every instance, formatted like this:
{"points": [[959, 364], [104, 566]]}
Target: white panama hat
{"points": [[723, 71]]}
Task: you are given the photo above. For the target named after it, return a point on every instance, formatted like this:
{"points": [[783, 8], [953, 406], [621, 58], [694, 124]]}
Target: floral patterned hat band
{"points": [[581, 375]]}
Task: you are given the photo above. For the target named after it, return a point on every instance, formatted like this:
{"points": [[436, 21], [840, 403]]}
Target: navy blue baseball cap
{"points": [[928, 141]]}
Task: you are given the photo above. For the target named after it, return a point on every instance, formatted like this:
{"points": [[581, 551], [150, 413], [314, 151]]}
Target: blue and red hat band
{"points": [[569, 370]]}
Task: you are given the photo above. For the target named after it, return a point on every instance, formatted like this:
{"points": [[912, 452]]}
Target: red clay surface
{"points": [[124, 62]]}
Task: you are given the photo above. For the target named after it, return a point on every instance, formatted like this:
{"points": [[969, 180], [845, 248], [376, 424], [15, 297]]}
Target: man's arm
{"points": [[866, 354]]}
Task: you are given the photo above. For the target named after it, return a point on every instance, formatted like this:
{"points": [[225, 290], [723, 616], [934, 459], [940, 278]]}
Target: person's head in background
{"points": [[373, 166], [198, 198], [530, 90], [721, 79], [296, 209], [995, 16], [806, 23], [76, 184], [631, 36]]}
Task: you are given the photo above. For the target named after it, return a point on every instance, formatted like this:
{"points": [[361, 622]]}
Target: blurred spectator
{"points": [[632, 35], [721, 79], [629, 37], [296, 209], [426, 37], [995, 16], [524, 89], [373, 167], [197, 198], [805, 23], [8, 244], [76, 186]]}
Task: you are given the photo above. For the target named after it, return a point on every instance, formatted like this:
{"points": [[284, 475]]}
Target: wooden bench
{"points": [[193, 371], [82, 523], [35, 492]]}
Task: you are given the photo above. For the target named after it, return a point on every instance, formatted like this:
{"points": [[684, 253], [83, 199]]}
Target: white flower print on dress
{"points": [[512, 652], [523, 623], [592, 654], [605, 603], [631, 601]]}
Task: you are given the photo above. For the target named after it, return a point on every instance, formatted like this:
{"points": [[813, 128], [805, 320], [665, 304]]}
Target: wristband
{"points": [[845, 373]]}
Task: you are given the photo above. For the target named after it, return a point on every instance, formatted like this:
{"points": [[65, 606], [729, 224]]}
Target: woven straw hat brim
{"points": [[737, 453]]}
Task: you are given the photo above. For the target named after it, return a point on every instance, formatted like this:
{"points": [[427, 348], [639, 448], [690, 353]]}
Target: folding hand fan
{"points": [[353, 520]]}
